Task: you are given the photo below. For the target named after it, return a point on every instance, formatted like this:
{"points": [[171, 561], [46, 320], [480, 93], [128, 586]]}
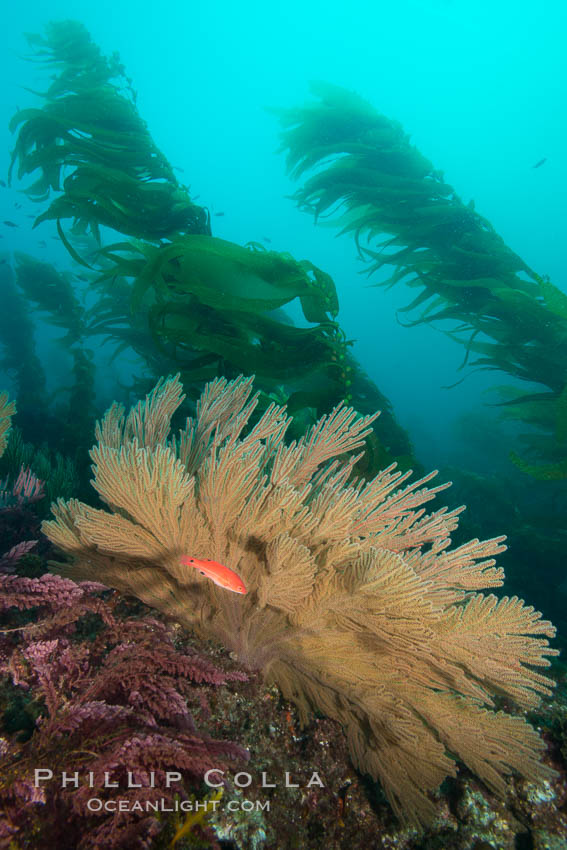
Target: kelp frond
{"points": [[360, 169], [174, 294], [89, 142]]}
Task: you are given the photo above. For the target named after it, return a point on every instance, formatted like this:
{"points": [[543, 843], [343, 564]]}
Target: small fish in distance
{"points": [[10, 224], [540, 163], [219, 574], [3, 184], [218, 214]]}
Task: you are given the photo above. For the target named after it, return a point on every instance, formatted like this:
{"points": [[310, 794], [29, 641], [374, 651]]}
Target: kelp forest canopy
{"points": [[182, 299], [361, 171]]}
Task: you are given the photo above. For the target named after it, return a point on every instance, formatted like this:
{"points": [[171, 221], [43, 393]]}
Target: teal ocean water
{"points": [[308, 213]]}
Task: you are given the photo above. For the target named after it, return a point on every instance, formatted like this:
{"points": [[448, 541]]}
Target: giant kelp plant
{"points": [[19, 356], [356, 606], [179, 297], [362, 172], [89, 140], [55, 431]]}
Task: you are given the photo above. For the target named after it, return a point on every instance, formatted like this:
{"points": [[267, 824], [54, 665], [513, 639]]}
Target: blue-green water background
{"points": [[481, 87]]}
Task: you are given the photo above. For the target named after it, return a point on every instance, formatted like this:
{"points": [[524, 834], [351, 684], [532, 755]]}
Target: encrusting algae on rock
{"points": [[355, 607]]}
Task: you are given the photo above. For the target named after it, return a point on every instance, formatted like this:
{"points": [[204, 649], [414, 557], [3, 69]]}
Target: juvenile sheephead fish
{"points": [[221, 575]]}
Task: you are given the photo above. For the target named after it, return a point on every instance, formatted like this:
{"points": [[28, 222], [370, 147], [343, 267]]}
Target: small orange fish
{"points": [[223, 576]]}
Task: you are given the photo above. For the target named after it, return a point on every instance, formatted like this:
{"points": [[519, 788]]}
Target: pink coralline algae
{"points": [[9, 560], [17, 519], [26, 489], [48, 590], [114, 698]]}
